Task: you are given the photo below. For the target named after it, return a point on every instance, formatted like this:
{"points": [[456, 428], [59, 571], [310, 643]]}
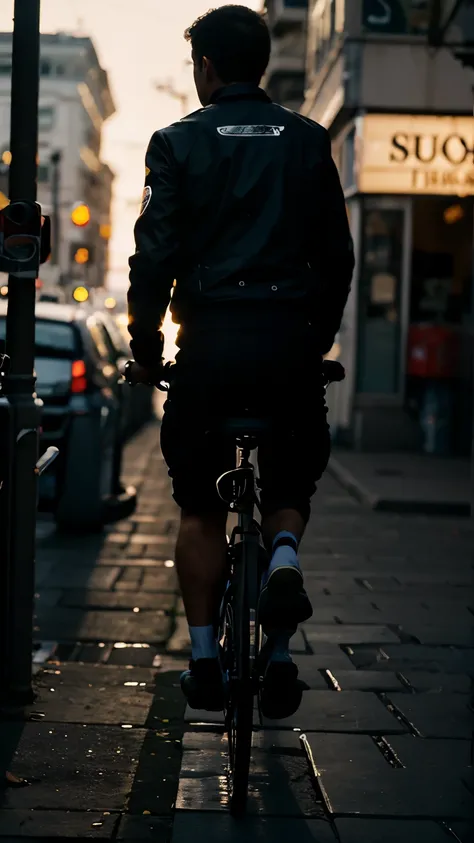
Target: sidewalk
{"points": [[379, 752], [398, 482]]}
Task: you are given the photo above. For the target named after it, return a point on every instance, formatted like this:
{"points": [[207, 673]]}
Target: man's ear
{"points": [[206, 65]]}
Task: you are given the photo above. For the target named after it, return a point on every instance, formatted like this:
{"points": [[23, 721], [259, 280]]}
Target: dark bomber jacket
{"points": [[242, 202]]}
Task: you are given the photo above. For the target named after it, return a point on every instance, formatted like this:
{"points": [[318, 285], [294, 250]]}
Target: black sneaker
{"points": [[281, 692], [283, 601], [202, 685]]}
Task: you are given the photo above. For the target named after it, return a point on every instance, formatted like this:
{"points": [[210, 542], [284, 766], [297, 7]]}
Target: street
{"points": [[380, 749]]}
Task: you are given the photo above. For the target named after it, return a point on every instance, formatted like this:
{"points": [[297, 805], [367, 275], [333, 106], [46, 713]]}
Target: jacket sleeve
{"points": [[332, 254], [154, 264]]}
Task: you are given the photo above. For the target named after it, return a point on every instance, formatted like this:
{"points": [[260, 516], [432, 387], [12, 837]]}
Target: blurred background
{"points": [[392, 80]]}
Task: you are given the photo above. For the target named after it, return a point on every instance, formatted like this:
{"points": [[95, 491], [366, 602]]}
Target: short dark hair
{"points": [[237, 41]]}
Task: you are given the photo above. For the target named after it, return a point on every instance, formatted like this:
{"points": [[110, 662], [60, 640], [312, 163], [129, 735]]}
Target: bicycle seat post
{"points": [[245, 445]]}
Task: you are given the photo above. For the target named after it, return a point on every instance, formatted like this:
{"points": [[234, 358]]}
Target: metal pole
{"points": [[56, 222], [20, 384]]}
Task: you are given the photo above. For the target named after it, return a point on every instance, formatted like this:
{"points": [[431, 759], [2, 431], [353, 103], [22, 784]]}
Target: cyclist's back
{"points": [[243, 207]]}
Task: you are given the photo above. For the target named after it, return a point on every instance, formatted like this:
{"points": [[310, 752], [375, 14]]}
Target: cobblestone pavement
{"points": [[380, 751]]}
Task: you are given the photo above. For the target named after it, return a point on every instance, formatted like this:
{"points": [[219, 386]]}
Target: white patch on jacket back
{"points": [[251, 131]]}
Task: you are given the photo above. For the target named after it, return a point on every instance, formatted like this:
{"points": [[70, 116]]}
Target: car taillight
{"points": [[78, 376]]}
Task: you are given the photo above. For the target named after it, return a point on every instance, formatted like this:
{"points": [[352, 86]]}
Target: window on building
{"points": [[46, 115], [327, 21], [45, 67], [5, 68], [43, 173], [396, 17]]}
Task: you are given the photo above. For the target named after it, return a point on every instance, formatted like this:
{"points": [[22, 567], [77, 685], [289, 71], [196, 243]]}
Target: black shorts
{"points": [[269, 373]]}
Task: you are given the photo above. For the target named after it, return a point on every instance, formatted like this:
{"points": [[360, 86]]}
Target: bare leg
{"points": [[284, 519], [200, 563]]}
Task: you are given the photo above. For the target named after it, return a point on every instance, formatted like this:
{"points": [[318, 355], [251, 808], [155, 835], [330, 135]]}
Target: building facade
{"points": [[400, 117], [74, 102], [284, 80]]}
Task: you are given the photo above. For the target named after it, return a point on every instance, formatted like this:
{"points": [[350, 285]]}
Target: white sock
{"points": [[203, 642], [285, 554]]}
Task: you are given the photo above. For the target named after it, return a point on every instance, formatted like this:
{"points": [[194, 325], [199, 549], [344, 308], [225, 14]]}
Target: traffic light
{"points": [[81, 254], [80, 294], [24, 239], [81, 215]]}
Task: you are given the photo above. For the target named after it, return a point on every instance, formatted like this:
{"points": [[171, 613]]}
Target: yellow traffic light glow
{"points": [[81, 215], [6, 157], [80, 294], [81, 255], [4, 290], [110, 303]]}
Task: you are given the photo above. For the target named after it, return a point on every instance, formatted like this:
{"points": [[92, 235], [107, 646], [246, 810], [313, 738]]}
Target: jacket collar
{"points": [[239, 91]]}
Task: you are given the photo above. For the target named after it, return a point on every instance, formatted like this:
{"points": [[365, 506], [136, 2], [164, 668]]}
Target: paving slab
{"points": [[463, 830], [159, 579], [157, 561], [437, 715], [325, 711], [79, 675], [207, 828], [20, 824], [460, 634], [271, 741], [81, 768], [422, 753], [389, 831], [81, 625], [154, 829], [439, 683], [359, 781], [413, 657], [88, 599], [349, 634], [366, 680], [326, 657], [67, 575], [278, 785]]}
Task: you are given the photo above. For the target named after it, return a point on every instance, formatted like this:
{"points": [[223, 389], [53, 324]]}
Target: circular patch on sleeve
{"points": [[146, 198]]}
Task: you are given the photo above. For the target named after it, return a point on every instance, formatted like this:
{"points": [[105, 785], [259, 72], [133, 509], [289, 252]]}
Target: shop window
{"points": [[380, 301]]}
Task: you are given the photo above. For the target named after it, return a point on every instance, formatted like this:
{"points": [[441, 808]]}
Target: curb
{"points": [[405, 505]]}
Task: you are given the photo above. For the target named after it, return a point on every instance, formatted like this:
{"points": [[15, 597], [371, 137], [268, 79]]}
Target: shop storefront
{"points": [[409, 183]]}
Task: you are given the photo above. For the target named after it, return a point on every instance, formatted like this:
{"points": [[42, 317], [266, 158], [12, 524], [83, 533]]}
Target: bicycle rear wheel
{"points": [[239, 719]]}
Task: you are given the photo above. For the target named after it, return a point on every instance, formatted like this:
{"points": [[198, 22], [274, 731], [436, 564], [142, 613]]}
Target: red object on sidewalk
{"points": [[433, 351]]}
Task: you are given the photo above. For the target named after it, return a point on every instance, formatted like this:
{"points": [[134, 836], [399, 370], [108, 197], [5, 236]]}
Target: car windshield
{"points": [[52, 339], [56, 345]]}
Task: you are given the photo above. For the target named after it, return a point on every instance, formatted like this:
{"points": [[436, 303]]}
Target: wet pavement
{"points": [[379, 752]]}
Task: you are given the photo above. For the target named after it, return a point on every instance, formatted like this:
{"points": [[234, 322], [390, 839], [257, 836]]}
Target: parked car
{"points": [[80, 384], [138, 403]]}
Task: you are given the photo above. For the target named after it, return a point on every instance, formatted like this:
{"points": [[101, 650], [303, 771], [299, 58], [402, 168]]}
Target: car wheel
{"points": [[80, 503]]}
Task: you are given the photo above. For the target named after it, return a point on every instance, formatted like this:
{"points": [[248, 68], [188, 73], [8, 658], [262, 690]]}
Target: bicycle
{"points": [[240, 635]]}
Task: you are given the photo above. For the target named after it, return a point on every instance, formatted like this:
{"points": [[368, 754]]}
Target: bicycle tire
{"points": [[241, 698]]}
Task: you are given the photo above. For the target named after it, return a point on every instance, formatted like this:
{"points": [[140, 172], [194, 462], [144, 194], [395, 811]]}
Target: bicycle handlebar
{"points": [[333, 372]]}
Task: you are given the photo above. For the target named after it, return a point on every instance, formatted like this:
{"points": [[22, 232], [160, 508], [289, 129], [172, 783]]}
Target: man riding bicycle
{"points": [[244, 210]]}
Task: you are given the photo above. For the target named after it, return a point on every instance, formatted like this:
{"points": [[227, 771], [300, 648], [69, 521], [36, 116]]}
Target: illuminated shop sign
{"points": [[415, 154]]}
